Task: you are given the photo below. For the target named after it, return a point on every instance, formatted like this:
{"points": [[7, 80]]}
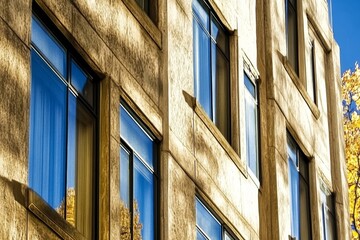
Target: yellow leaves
{"points": [[351, 120]]}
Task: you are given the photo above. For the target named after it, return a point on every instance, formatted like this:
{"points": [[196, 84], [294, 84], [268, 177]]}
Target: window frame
{"points": [[214, 19], [302, 167], [224, 228], [156, 166], [328, 198], [255, 98], [312, 70], [40, 207]]}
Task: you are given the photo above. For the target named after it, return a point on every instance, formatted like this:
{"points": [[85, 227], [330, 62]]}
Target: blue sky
{"points": [[346, 26]]}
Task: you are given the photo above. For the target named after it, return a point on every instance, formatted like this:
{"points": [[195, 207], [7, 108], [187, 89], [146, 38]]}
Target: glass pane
{"points": [[202, 13], [305, 228], [80, 167], [207, 222], [294, 197], [220, 74], [292, 151], [125, 194], [82, 83], [219, 35], [292, 44], [48, 46], [47, 151], [136, 137], [125, 176], [144, 201], [202, 68], [251, 133], [249, 86], [330, 218], [310, 84]]}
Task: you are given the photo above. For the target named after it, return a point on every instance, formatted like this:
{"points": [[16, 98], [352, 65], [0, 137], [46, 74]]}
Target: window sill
{"points": [[200, 112], [314, 109], [145, 21], [50, 217]]}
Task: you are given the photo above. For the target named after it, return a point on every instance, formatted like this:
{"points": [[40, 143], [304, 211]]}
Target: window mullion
{"points": [[131, 189]]}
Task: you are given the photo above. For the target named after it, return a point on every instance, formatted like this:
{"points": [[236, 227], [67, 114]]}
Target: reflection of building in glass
{"points": [[167, 119]]}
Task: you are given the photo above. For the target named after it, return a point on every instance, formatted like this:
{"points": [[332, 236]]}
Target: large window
{"points": [[292, 33], [207, 226], [252, 127], [328, 215], [62, 130], [138, 179], [299, 192], [211, 66]]}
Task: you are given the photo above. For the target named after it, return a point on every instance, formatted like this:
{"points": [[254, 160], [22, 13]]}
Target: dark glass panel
{"points": [[220, 74], [219, 35], [81, 127], [305, 228]]}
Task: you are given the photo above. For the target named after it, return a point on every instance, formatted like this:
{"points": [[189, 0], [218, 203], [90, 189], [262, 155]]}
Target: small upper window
{"points": [[62, 130], [149, 7], [292, 34], [212, 66], [311, 72]]}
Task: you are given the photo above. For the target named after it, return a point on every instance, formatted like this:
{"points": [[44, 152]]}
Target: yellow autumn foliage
{"points": [[125, 216], [351, 120]]}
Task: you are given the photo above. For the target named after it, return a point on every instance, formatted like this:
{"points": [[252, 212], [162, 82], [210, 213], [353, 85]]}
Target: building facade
{"points": [[164, 119]]}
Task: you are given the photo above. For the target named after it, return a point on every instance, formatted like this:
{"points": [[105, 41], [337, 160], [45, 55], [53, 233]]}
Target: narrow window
{"points": [[328, 215], [252, 127], [62, 130], [149, 7], [207, 226], [299, 192], [211, 66], [311, 78], [329, 3], [138, 179], [292, 33]]}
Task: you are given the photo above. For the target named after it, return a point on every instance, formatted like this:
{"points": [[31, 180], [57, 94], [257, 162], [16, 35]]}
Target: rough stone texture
{"points": [[155, 78]]}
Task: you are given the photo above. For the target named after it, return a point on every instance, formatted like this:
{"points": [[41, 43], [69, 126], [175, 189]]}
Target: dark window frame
{"points": [[72, 55]]}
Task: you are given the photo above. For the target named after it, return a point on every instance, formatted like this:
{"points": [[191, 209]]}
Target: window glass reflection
{"points": [[82, 82], [207, 222], [48, 46]]}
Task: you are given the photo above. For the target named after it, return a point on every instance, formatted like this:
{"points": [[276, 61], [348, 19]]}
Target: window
{"points": [[299, 192], [328, 215], [311, 76], [292, 34], [252, 127], [138, 179], [207, 226], [211, 66], [62, 130], [149, 7]]}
